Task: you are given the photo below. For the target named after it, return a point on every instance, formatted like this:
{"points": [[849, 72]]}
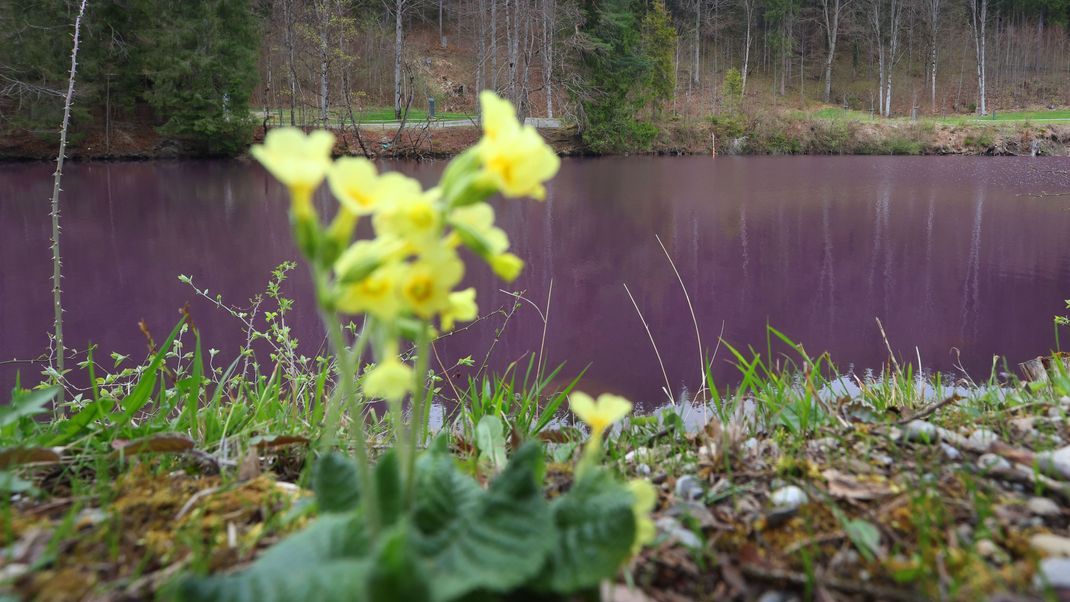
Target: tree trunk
{"points": [[399, 9], [289, 39], [696, 58], [549, 8], [748, 8], [441, 30], [978, 21], [494, 45]]}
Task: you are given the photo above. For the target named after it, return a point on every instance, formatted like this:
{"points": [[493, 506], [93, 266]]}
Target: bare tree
{"points": [[549, 8], [978, 24], [323, 22], [399, 9], [749, 7], [57, 274], [831, 12], [932, 18], [886, 17], [288, 37]]}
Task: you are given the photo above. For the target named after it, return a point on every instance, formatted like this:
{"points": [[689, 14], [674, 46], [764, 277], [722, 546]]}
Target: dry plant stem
{"points": [[690, 308], [56, 264], [664, 374]]}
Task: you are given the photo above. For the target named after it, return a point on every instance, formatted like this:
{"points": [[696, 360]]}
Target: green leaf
{"points": [[490, 439], [595, 528], [11, 483], [26, 404], [388, 487], [397, 572], [325, 562], [336, 483], [865, 536], [495, 542]]}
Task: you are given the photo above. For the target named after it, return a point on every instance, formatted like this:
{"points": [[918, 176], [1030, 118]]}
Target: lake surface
{"points": [[959, 257]]}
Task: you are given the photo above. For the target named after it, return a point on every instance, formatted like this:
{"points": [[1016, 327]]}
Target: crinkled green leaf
{"points": [[325, 562], [595, 528], [496, 542], [336, 483], [397, 572], [388, 487]]}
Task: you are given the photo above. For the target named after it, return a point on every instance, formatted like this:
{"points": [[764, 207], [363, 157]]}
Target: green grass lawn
{"points": [[369, 115], [997, 116]]}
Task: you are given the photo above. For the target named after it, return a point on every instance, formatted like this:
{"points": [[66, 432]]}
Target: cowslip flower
{"points": [[428, 281], [601, 414], [644, 498], [515, 158], [506, 266], [415, 219], [474, 225], [297, 160], [378, 293], [390, 379], [357, 185], [460, 307]]}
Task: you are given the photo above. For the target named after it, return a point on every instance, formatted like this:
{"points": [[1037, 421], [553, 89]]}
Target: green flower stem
{"points": [[418, 427], [346, 367]]}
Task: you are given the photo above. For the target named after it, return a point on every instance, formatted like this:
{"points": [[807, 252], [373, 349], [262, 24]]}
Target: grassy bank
{"points": [[795, 480]]}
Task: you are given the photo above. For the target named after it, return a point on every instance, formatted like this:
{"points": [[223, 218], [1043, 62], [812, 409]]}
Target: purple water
{"points": [[961, 259]]}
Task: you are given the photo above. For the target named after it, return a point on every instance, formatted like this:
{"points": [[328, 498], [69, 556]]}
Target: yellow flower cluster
{"points": [[411, 268]]}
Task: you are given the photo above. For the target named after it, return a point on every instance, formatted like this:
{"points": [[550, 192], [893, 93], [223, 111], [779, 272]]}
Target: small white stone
{"points": [[1042, 506], [950, 452], [1057, 462], [987, 549], [981, 439], [993, 462], [921, 431], [688, 488], [788, 498], [637, 454], [1053, 572], [642, 470], [675, 530], [1050, 544]]}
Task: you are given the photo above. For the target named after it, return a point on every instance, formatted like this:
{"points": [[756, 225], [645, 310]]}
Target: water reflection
{"points": [[947, 252]]}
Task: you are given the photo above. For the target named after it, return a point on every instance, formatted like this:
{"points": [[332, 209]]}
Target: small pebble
{"points": [[788, 498], [921, 431], [981, 439], [1054, 572], [1042, 506], [1022, 427], [773, 595], [1057, 462], [688, 488], [992, 462], [675, 530], [642, 470], [1065, 401], [1050, 544], [881, 459], [950, 452]]}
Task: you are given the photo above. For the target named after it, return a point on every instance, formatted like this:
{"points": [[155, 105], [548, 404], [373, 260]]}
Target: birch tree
{"points": [[978, 25], [932, 18], [831, 13], [748, 15]]}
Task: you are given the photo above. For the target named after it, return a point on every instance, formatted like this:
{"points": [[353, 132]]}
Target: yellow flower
{"points": [[645, 498], [390, 379], [416, 219], [515, 158], [498, 116], [477, 221], [377, 293], [427, 282], [601, 414], [358, 187], [461, 307], [298, 161], [507, 266]]}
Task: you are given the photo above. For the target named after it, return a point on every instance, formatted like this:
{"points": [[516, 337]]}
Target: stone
{"points": [[673, 529], [981, 439], [992, 462], [989, 550], [1051, 544], [689, 488], [1022, 427], [1055, 462], [643, 470], [788, 498], [1042, 506], [1053, 572], [921, 432], [950, 452]]}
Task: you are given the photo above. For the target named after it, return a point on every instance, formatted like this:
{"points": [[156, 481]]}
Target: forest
{"points": [[620, 69]]}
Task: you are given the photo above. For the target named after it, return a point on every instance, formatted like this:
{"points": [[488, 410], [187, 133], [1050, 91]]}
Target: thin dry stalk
{"points": [[664, 374], [690, 308], [56, 263]]}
